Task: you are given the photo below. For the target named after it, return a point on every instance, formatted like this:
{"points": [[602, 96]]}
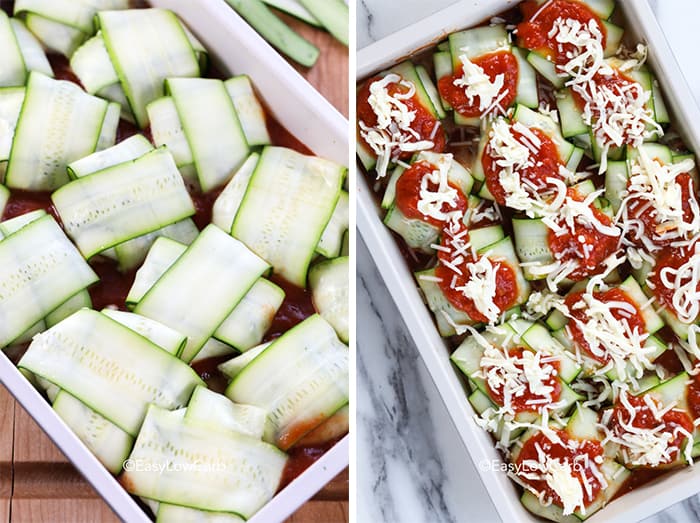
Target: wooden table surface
{"points": [[39, 485]]}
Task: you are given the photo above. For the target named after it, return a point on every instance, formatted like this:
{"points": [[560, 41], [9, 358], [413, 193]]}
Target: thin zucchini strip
{"points": [[333, 14], [93, 358], [41, 270], [147, 46], [123, 202], [202, 287], [276, 32], [212, 128], [110, 444], [209, 469], [313, 386], [288, 204], [59, 123]]}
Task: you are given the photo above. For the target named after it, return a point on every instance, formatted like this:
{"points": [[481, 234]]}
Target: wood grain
{"points": [[39, 485]]}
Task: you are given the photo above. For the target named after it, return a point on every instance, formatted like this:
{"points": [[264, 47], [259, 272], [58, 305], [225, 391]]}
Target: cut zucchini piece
{"points": [[313, 386], [212, 128], [123, 202], [330, 289], [229, 201], [332, 238], [234, 366], [334, 15], [128, 150], [13, 72], [92, 357], [32, 52], [170, 54], [245, 327], [249, 110], [42, 270], [288, 204], [59, 124], [190, 300], [208, 469], [209, 408], [110, 444], [166, 338], [276, 32], [160, 257]]}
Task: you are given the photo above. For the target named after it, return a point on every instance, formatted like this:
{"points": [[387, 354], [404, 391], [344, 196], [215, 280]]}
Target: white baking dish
{"points": [[236, 49], [640, 503]]}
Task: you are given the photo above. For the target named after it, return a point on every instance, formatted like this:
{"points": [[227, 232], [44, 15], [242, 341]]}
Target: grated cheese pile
{"points": [[654, 185], [393, 133], [649, 447], [431, 202], [618, 115], [685, 283], [610, 337], [480, 287], [477, 84]]}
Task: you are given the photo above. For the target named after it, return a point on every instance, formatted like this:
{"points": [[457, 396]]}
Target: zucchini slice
{"points": [[142, 75], [312, 388], [59, 124], [92, 357], [41, 270], [202, 287], [330, 289], [123, 202], [209, 469], [289, 202]]}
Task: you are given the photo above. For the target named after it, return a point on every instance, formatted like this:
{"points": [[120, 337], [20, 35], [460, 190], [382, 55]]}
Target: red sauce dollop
{"points": [[534, 33], [296, 307], [565, 453], [493, 64], [645, 419], [408, 189], [672, 258], [635, 321], [506, 283], [569, 245], [424, 122], [522, 403], [546, 165], [644, 210]]}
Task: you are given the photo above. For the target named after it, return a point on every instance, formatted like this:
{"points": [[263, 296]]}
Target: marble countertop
{"points": [[412, 466]]}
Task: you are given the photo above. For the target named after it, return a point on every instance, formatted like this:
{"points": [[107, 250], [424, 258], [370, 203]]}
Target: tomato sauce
{"points": [[408, 189], [693, 396], [546, 164], [635, 321], [644, 210], [534, 33], [523, 403], [301, 458], [672, 258], [566, 454], [645, 419], [506, 283], [586, 244], [424, 122], [493, 64]]}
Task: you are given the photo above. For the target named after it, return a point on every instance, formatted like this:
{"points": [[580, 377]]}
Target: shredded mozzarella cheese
{"points": [[477, 83], [393, 133]]}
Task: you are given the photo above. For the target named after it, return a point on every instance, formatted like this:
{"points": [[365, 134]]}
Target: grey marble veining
{"points": [[412, 466]]}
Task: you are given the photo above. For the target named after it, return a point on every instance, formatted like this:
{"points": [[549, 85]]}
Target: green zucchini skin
{"points": [[276, 32]]}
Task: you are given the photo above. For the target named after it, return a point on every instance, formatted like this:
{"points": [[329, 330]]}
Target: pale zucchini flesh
{"points": [[288, 204], [188, 299], [92, 357]]}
